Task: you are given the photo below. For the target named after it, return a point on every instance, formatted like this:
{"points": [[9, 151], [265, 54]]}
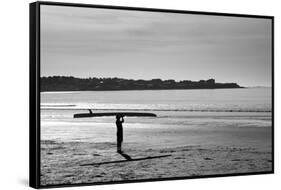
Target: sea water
{"points": [[214, 116]]}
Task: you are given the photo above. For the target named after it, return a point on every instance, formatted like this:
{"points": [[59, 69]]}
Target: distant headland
{"points": [[69, 83]]}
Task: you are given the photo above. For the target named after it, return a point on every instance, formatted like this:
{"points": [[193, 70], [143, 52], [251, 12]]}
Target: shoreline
{"points": [[113, 90]]}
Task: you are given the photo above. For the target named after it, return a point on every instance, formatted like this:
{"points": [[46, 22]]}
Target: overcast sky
{"points": [[90, 42]]}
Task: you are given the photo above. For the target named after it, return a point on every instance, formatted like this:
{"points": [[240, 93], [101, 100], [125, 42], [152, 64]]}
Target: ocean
{"points": [[195, 117]]}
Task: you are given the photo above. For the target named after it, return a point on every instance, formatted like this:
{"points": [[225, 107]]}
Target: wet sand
{"points": [[89, 162]]}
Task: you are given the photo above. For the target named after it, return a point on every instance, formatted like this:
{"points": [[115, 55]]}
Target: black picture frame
{"points": [[34, 93]]}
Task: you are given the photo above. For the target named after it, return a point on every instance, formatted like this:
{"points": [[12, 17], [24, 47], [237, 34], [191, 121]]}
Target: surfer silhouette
{"points": [[119, 121]]}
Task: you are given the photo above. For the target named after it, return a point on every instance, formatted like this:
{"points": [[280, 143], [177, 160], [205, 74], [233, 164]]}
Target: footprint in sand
{"points": [[208, 158], [98, 176], [236, 160]]}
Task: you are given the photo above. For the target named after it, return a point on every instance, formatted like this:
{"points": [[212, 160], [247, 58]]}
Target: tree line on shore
{"points": [[69, 83]]}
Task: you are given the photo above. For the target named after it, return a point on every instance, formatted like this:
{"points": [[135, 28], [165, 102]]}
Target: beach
{"points": [[190, 136], [89, 162]]}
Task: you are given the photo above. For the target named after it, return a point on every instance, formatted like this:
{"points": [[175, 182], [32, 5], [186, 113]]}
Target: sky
{"points": [[95, 42]]}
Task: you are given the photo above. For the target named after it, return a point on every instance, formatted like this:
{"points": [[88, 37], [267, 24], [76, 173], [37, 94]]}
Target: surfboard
{"points": [[121, 114]]}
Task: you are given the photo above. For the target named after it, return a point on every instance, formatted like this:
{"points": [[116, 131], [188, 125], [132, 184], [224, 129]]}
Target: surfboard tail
{"points": [[81, 115]]}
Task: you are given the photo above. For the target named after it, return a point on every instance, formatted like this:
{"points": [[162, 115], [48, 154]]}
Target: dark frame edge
{"points": [[272, 95], [157, 180], [128, 8], [34, 131]]}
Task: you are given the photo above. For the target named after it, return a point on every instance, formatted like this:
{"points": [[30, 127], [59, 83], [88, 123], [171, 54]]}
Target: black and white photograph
{"points": [[134, 95]]}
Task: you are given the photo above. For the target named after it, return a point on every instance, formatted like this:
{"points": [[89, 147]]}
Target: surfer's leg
{"points": [[119, 146]]}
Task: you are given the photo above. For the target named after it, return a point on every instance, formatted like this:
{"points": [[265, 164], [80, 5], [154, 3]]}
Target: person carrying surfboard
{"points": [[119, 121]]}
